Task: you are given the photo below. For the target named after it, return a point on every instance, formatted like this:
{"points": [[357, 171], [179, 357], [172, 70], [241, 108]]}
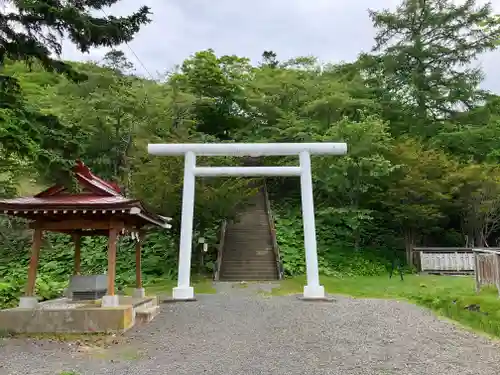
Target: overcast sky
{"points": [[332, 30]]}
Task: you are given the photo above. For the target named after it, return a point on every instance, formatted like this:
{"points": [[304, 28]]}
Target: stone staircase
{"points": [[147, 311], [248, 246]]}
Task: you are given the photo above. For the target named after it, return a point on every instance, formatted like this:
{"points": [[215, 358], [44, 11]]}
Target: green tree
{"points": [[30, 30], [424, 50], [269, 59], [476, 189], [350, 182], [116, 60], [218, 83], [418, 191]]}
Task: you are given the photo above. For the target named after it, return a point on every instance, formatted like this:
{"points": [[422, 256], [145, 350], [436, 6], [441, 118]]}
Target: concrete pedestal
{"points": [[110, 301], [314, 292], [183, 293], [139, 293], [28, 302]]}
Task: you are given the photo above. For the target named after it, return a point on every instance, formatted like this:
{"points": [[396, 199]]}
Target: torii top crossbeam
{"points": [[247, 149]]}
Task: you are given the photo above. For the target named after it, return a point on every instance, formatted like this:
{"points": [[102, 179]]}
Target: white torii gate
{"points": [[184, 290]]}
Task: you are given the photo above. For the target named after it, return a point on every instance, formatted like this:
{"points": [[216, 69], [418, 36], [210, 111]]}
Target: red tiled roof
{"points": [[67, 200], [99, 194], [94, 183]]}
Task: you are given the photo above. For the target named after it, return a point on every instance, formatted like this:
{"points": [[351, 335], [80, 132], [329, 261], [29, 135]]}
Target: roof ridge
{"points": [[93, 182]]}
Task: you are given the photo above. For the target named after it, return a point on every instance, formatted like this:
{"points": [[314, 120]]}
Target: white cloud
{"points": [[331, 30]]}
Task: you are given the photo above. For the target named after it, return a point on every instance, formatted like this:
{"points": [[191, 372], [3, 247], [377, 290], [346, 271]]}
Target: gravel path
{"points": [[239, 331]]}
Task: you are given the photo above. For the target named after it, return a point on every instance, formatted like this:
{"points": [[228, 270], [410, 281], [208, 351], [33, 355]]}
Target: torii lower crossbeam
{"points": [[184, 290]]}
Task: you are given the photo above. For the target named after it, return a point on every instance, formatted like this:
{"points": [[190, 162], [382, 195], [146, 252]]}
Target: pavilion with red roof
{"points": [[100, 209]]}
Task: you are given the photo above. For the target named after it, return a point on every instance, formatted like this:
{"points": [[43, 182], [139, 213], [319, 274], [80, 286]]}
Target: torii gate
{"points": [[313, 289]]}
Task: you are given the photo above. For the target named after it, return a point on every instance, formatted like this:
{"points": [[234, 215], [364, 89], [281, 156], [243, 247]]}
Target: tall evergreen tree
{"points": [[424, 52], [31, 31]]}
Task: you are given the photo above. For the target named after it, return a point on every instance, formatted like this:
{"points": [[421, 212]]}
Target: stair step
{"points": [[146, 314], [248, 262], [249, 273], [248, 278], [251, 216], [247, 227], [264, 237], [248, 247], [250, 242], [243, 249], [258, 272], [248, 265], [250, 254], [263, 231], [264, 240], [241, 271], [248, 257], [253, 222]]}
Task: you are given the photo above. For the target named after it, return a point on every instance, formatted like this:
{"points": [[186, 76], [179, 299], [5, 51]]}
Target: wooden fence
{"points": [[487, 267], [483, 263], [445, 259]]}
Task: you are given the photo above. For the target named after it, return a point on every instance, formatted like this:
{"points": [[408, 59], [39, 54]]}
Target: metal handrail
{"points": [[491, 250], [441, 249], [456, 249], [220, 249], [276, 249]]}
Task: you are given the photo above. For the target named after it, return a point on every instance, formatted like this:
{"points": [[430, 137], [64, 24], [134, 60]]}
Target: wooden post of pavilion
{"points": [[29, 300], [77, 239], [139, 291]]}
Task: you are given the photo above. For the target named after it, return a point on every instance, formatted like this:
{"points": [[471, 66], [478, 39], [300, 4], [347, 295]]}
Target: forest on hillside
{"points": [[424, 140]]}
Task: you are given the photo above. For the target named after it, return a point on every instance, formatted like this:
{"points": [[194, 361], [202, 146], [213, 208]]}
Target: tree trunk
{"points": [[357, 238], [479, 239], [409, 235]]}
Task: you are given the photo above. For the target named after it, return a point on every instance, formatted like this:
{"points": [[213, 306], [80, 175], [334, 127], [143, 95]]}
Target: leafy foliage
{"points": [[424, 51], [421, 168], [335, 256], [30, 32], [56, 263]]}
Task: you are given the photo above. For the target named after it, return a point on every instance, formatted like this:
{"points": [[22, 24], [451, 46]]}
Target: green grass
{"points": [[201, 285], [448, 296]]}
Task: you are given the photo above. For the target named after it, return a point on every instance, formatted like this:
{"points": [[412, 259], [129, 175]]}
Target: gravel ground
{"points": [[239, 331]]}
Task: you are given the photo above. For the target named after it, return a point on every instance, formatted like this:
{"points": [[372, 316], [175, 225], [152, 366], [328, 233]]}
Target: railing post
{"points": [[497, 272], [476, 271], [220, 250], [272, 228]]}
